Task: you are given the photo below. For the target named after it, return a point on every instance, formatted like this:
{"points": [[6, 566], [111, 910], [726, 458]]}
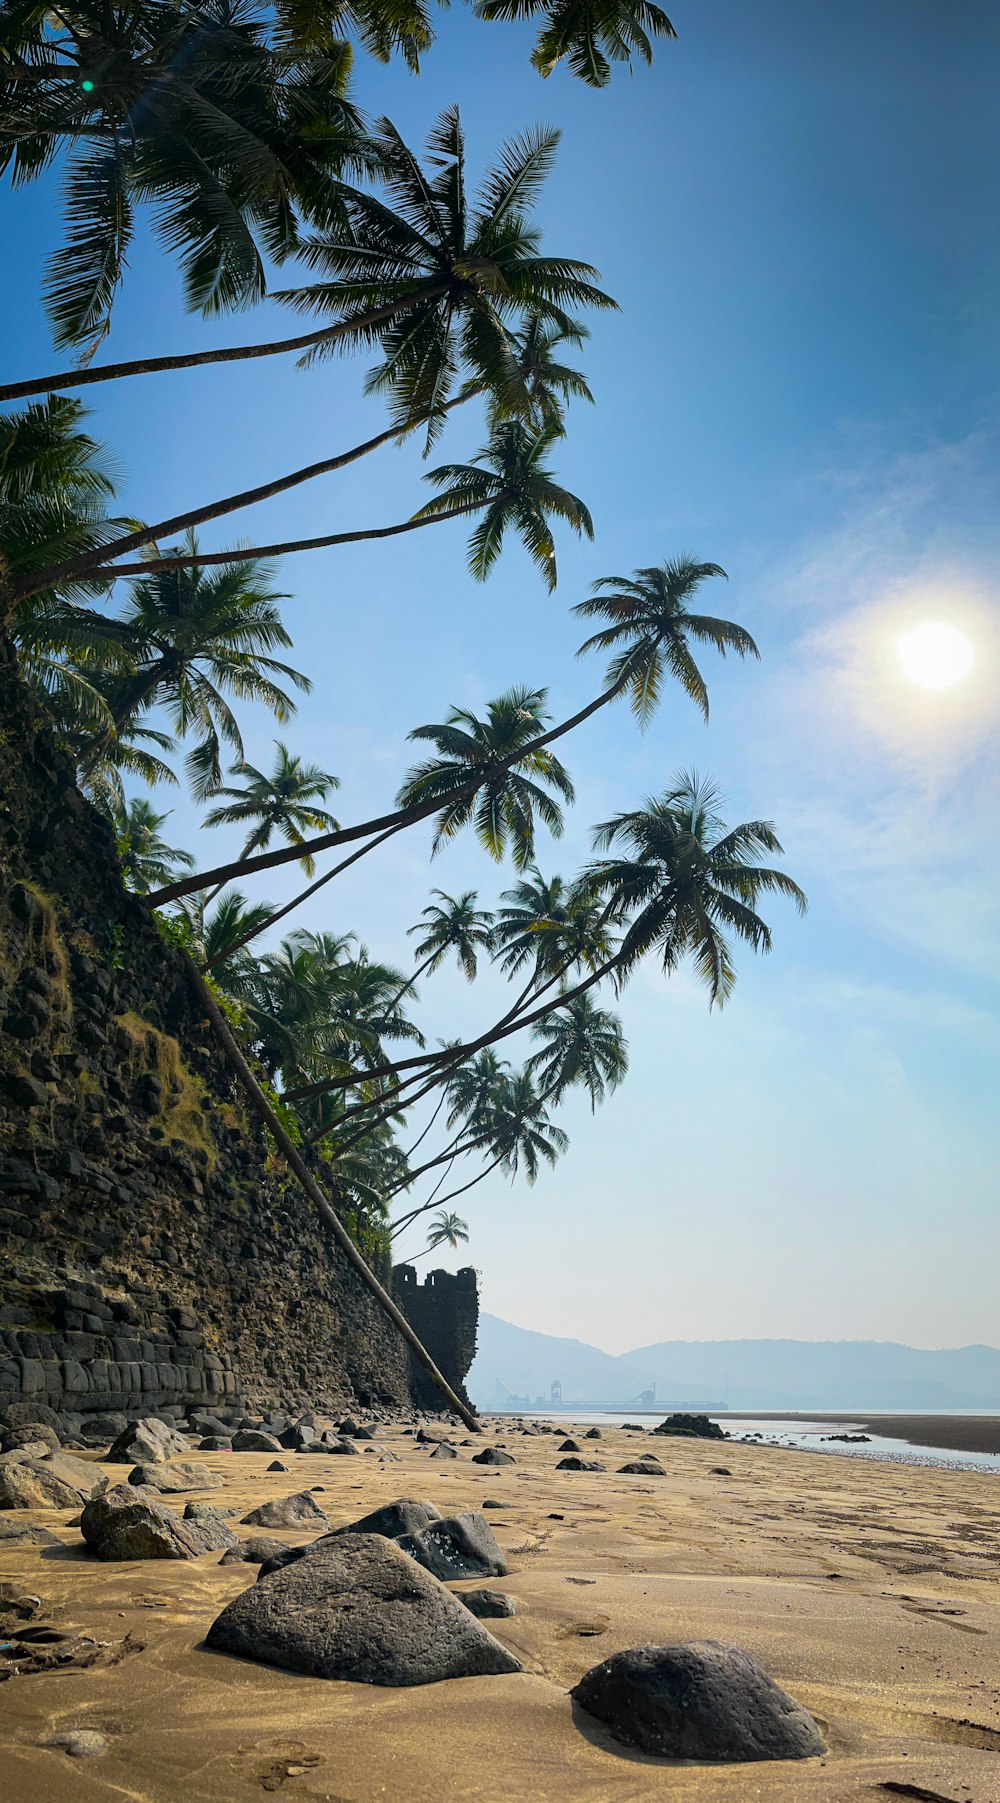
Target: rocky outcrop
{"points": [[154, 1257]]}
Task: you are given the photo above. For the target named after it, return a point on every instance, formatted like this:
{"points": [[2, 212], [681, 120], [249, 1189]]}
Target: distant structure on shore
{"points": [[507, 1401]]}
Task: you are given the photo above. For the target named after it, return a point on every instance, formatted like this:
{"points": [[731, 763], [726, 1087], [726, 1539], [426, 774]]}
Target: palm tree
{"points": [[657, 636], [147, 860], [436, 281], [194, 639], [217, 116], [55, 486], [688, 880], [581, 1044], [445, 1230], [553, 926], [548, 384], [459, 927], [282, 802], [510, 479], [586, 33], [650, 619], [210, 936], [493, 755]]}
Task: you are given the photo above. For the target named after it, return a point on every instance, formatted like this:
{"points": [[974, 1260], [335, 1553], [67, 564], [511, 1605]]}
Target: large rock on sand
{"points": [[358, 1609], [460, 1546], [405, 1516], [147, 1442], [129, 1523], [698, 1700], [174, 1479], [31, 1433], [300, 1510], [260, 1549], [55, 1481], [253, 1439]]}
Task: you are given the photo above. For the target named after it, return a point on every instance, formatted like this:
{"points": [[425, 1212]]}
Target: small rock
{"points": [[569, 1446], [721, 1471], [647, 1467], [593, 1433], [298, 1510], [258, 1550], [698, 1700], [214, 1443], [493, 1455], [489, 1605], [276, 1465], [79, 1743], [444, 1451], [359, 1610], [575, 1464], [12, 1532], [201, 1511]]}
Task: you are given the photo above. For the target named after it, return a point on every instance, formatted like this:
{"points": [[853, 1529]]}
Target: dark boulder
{"points": [[33, 1433], [405, 1516], [258, 1550], [173, 1479], [445, 1451], [569, 1446], [128, 1523], [593, 1433], [575, 1464], [489, 1605], [250, 1439], [698, 1700], [359, 1610], [300, 1510], [691, 1427], [147, 1442], [647, 1467], [493, 1455], [460, 1546]]}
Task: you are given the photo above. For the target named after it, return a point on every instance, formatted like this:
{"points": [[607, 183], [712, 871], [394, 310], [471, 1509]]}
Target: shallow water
{"points": [[805, 1436]]}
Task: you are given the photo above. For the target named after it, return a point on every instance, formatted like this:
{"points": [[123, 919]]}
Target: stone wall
{"points": [[152, 1252], [444, 1313]]}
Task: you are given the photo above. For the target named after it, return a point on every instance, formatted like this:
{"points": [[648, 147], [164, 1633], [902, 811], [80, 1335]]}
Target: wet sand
{"points": [[871, 1591], [952, 1433]]}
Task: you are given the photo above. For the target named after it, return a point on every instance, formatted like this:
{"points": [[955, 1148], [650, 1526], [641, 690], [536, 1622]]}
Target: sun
{"points": [[936, 655]]}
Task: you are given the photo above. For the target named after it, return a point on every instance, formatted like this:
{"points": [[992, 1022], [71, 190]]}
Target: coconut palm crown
{"points": [[510, 481], [687, 880], [650, 619], [513, 789], [458, 276]]}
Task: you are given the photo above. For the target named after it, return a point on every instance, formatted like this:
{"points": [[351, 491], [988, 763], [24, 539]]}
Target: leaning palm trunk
{"points": [[401, 816], [293, 1158], [75, 567], [251, 553], [237, 353]]}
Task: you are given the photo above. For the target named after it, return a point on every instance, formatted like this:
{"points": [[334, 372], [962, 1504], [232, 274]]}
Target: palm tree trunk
{"points": [[251, 553], [444, 1157], [239, 353], [272, 920], [421, 1137], [293, 1158], [403, 816], [75, 567]]}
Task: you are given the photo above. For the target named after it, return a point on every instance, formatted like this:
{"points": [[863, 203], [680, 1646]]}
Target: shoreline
{"points": [[947, 1433]]}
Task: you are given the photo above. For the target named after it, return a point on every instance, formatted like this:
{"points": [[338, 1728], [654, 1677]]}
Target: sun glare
{"points": [[936, 655]]}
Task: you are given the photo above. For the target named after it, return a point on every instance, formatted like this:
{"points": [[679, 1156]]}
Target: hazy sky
{"points": [[797, 211]]}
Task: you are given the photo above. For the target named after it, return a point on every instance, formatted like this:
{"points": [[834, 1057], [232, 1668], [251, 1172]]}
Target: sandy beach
{"points": [[870, 1591]]}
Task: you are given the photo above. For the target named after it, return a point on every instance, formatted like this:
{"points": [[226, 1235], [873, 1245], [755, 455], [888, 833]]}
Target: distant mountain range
{"points": [[752, 1374]]}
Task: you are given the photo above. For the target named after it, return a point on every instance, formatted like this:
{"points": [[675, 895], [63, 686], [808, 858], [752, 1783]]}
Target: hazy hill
{"points": [[758, 1374]]}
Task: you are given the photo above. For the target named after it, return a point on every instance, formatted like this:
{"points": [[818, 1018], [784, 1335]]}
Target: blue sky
{"points": [[796, 209]]}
